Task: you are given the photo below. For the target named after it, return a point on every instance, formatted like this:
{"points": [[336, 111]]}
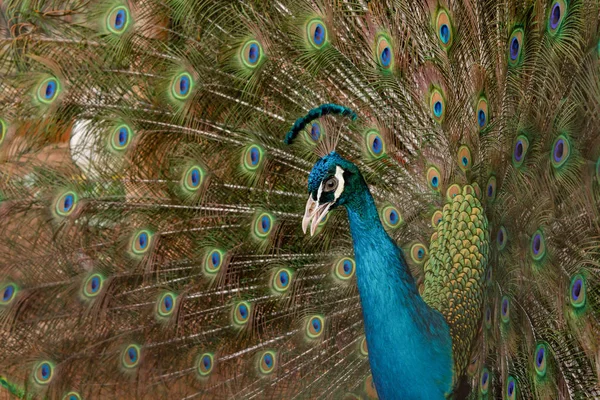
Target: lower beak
{"points": [[313, 214]]}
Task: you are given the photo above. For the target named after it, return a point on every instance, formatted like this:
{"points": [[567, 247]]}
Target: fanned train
{"points": [[160, 159]]}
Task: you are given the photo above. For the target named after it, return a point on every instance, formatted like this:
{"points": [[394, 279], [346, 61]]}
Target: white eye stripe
{"points": [[339, 174]]}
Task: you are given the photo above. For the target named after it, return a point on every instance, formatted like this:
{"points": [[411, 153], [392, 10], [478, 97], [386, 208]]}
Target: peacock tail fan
{"points": [[150, 211]]}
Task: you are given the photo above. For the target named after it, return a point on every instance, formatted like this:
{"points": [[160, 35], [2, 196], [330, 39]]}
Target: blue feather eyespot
{"points": [[253, 157], [482, 113], [315, 326], [488, 317], [72, 396], [598, 170], [558, 10], [561, 150], [3, 130], [363, 348], [501, 238], [182, 86], [130, 357], [267, 361], [213, 260], [375, 144], [391, 217], [385, 55], [121, 137], [118, 20], [43, 372], [418, 253], [452, 191], [166, 304], [141, 242], [444, 29], [538, 245], [65, 204], [434, 178], [436, 218], [48, 90], [484, 381], [577, 294], [206, 364], [344, 268], [437, 104], [491, 189], [505, 309], [515, 47], [251, 54], [488, 275], [193, 178], [263, 225], [8, 292], [241, 313], [511, 388], [316, 32], [520, 150], [464, 158], [370, 389], [540, 356], [282, 280], [93, 286], [314, 133]]}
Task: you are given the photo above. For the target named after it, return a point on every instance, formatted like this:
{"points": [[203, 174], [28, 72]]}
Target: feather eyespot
{"points": [[72, 396], [213, 261], [3, 130], [538, 245], [491, 189], [464, 158], [93, 286], [315, 132], [43, 372], [182, 86], [65, 204], [540, 359], [206, 363], [166, 304], [437, 104], [434, 178], [241, 313], [253, 157], [8, 292], [484, 381], [141, 242], [520, 150], [375, 144], [385, 55], [363, 348], [453, 191], [263, 225], [444, 29], [577, 294], [505, 309], [130, 357], [316, 32], [561, 150], [118, 20], [282, 280], [48, 90], [488, 317], [251, 53], [501, 238], [515, 47], [436, 218], [121, 137], [370, 389], [193, 178], [418, 253], [314, 326], [391, 216], [344, 268], [267, 362], [511, 388], [598, 170], [482, 113], [556, 15]]}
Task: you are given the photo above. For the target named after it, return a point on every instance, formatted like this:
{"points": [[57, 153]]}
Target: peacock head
{"points": [[331, 183]]}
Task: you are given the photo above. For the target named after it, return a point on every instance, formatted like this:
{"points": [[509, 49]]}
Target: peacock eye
{"points": [[330, 185]]}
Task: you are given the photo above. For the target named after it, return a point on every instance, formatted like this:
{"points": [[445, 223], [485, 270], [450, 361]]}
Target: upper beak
{"points": [[315, 213]]}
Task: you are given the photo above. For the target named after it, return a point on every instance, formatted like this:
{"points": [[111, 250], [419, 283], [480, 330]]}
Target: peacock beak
{"points": [[313, 214]]}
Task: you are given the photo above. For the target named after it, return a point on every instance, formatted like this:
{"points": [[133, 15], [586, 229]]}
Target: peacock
{"points": [[300, 199]]}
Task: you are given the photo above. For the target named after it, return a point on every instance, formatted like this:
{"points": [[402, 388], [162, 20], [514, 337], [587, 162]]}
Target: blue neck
{"points": [[410, 349]]}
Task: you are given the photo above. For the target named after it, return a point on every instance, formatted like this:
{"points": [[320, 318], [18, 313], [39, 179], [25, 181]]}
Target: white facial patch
{"points": [[339, 174]]}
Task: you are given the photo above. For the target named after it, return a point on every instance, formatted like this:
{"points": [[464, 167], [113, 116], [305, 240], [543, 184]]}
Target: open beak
{"points": [[313, 214]]}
